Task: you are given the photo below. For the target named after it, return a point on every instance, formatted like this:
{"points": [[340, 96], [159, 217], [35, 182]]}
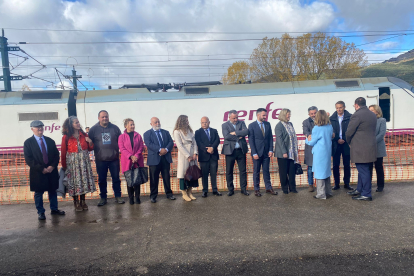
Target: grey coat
{"points": [[360, 136], [307, 126], [282, 143], [380, 133], [230, 140]]}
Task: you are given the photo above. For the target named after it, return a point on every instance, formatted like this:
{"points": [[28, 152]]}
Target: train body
{"points": [[18, 109]]}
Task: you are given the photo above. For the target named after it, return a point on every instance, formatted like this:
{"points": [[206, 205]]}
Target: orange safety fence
{"points": [[14, 173]]}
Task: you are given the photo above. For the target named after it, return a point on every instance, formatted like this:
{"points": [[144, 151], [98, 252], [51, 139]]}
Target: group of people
{"points": [[358, 137]]}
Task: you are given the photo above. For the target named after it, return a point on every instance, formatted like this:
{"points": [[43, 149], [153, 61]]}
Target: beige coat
{"points": [[187, 147]]}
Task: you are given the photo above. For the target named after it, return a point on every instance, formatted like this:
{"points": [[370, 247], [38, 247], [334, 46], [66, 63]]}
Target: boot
{"points": [[131, 195], [78, 208], [83, 203], [190, 193], [185, 195]]}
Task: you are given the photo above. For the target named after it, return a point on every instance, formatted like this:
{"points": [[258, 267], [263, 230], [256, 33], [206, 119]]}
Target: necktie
{"points": [[208, 135], [44, 152], [159, 138], [262, 129]]}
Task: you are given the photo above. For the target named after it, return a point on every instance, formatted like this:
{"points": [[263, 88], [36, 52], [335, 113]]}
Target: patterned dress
{"points": [[79, 172]]}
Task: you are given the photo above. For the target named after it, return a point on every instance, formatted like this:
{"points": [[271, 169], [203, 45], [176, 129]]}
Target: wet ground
{"points": [[292, 234]]}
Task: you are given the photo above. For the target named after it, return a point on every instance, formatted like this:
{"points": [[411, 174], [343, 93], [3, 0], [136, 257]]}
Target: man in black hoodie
{"points": [[104, 136], [340, 121]]}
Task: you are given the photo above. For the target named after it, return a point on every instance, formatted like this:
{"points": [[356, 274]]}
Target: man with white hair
{"points": [[42, 156]]}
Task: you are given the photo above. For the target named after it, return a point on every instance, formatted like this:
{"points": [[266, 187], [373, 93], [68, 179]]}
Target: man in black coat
{"points": [[261, 147], [208, 140], [340, 120], [42, 156]]}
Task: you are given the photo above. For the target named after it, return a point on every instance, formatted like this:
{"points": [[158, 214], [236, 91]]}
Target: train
{"points": [[167, 102]]}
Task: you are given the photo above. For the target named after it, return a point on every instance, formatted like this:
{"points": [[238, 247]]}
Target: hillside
{"points": [[403, 70]]}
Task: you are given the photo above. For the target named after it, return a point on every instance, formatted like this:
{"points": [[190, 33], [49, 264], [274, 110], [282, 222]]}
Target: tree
{"points": [[307, 57], [239, 71]]}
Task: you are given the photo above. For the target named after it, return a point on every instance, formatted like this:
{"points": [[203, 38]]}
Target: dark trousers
{"points": [[102, 170], [379, 169], [134, 190], [240, 157], [209, 167], [364, 178], [263, 162], [38, 198], [164, 168], [287, 173], [346, 160]]}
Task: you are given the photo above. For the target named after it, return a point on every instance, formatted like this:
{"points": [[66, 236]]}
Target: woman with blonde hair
{"points": [[321, 141], [381, 150], [286, 151], [131, 146], [75, 149], [187, 155]]}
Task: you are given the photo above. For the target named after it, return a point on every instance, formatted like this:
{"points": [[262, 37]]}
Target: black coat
{"points": [[203, 142], [40, 182], [335, 126]]}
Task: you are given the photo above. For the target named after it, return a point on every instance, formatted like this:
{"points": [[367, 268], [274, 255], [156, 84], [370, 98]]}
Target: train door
{"points": [[384, 101]]}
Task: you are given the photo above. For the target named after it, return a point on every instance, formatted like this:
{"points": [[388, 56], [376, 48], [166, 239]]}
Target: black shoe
{"points": [[366, 198], [137, 200], [329, 196], [230, 193], [131, 200], [153, 200], [204, 194], [42, 216], [102, 202], [217, 193], [171, 197], [246, 193], [295, 192], [285, 192], [378, 190], [57, 212], [336, 188], [347, 187], [353, 193]]}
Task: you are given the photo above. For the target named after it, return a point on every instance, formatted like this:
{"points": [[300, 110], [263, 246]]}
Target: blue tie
{"points": [[208, 135], [159, 138]]}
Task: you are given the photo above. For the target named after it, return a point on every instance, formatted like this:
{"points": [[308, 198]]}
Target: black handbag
{"points": [[298, 168], [136, 176]]}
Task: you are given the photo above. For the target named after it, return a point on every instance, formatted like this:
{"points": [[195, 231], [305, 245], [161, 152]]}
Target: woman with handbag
{"points": [[321, 141], [75, 149], [131, 146], [286, 151], [187, 155], [380, 131]]}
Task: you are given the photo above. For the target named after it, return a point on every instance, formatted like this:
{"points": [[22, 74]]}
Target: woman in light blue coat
{"points": [[321, 140]]}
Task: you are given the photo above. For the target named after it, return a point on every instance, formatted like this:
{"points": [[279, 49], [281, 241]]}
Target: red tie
{"points": [[44, 153]]}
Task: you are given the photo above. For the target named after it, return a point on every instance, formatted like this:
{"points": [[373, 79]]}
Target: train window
{"points": [[196, 90], [345, 84], [38, 116], [385, 102], [42, 96]]}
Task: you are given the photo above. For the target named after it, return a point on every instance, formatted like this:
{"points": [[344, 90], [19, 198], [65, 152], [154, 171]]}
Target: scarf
{"points": [[293, 149]]}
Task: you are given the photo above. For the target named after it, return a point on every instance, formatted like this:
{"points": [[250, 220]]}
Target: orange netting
{"points": [[14, 173]]}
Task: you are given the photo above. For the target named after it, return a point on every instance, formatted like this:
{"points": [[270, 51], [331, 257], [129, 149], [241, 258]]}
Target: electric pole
{"points": [[74, 78], [5, 62]]}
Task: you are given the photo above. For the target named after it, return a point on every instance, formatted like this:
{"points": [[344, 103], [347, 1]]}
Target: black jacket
{"points": [[203, 142], [40, 182], [335, 126]]}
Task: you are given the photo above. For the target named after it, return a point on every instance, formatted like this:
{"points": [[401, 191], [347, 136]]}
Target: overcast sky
{"points": [[121, 63]]}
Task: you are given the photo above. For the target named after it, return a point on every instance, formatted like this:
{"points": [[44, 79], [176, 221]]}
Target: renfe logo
{"points": [[243, 113], [52, 128]]}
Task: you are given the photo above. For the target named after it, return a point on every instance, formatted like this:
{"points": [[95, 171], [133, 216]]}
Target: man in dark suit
{"points": [[340, 120], [42, 156], [307, 127], [208, 140], [159, 145], [361, 137], [235, 149], [261, 147]]}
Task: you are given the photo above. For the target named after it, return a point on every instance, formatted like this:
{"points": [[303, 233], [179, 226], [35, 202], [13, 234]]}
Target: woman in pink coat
{"points": [[131, 147]]}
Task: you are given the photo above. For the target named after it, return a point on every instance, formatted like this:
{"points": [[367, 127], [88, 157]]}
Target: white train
{"points": [[18, 109]]}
